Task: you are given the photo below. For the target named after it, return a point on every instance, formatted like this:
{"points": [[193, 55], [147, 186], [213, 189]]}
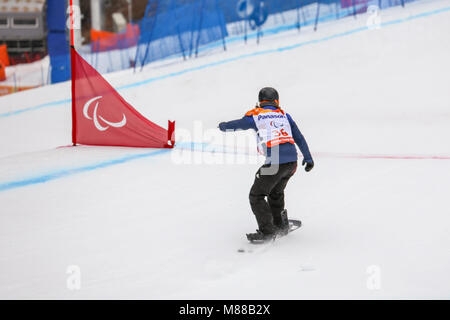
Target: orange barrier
{"points": [[105, 41], [2, 71], [4, 90], [4, 55], [99, 35]]}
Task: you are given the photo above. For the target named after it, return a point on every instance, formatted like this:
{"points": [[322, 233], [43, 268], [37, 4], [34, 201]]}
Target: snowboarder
{"points": [[277, 135]]}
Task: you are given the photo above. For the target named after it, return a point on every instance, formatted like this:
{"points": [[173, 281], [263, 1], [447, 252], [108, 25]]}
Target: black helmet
{"points": [[268, 94]]}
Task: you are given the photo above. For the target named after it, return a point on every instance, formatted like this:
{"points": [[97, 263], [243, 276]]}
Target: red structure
{"points": [[100, 116]]}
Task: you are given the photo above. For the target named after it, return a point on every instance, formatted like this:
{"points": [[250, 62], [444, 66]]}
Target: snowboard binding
{"points": [[288, 226]]}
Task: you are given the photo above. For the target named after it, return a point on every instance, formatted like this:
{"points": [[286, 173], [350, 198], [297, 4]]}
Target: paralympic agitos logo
{"points": [[276, 124], [101, 123]]}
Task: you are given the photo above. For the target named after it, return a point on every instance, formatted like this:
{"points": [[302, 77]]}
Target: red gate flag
{"points": [[102, 117]]}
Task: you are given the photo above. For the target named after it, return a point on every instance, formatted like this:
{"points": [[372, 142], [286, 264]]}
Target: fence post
{"points": [[245, 29], [151, 33], [174, 8], [354, 8], [130, 62], [258, 29], [191, 44], [199, 28], [317, 16], [222, 25]]}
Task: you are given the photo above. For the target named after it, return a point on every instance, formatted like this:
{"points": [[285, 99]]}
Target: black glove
{"points": [[222, 126], [309, 165]]}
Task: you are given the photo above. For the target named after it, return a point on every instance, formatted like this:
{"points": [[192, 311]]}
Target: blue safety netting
{"points": [[186, 28], [248, 19], [179, 27]]}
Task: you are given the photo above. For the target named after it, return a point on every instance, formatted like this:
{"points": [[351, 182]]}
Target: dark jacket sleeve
{"points": [[245, 123], [299, 139]]}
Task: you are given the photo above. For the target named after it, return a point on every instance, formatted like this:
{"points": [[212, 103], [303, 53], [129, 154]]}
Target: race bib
{"points": [[273, 127]]}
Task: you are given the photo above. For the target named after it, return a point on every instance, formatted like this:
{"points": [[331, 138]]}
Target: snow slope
{"points": [[374, 106]]}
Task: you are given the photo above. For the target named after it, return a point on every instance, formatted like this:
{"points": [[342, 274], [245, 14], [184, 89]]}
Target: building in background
{"points": [[23, 29]]}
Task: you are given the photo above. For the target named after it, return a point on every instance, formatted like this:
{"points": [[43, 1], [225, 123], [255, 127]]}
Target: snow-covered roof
{"points": [[21, 6]]}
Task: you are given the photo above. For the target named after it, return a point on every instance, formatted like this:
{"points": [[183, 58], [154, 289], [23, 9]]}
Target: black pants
{"points": [[268, 212]]}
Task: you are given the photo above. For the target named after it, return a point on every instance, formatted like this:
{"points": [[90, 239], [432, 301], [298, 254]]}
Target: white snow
{"points": [[28, 74], [151, 227]]}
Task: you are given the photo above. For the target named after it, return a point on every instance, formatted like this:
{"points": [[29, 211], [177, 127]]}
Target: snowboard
{"points": [[293, 225]]}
